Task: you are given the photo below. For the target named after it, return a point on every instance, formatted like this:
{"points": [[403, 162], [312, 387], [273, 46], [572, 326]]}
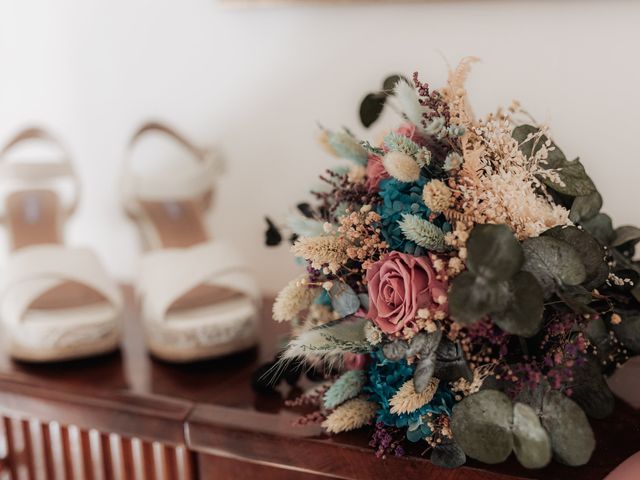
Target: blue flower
{"points": [[399, 198], [385, 379]]}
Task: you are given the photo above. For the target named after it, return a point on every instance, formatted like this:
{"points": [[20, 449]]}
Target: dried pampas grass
{"points": [[351, 415], [407, 400]]}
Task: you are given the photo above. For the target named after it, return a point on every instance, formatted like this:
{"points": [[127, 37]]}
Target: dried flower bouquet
{"points": [[462, 287]]}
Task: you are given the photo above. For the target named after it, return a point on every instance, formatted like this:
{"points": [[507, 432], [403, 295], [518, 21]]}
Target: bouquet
{"points": [[462, 288]]}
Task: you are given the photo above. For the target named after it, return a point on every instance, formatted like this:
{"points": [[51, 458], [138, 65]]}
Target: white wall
{"points": [[256, 81]]}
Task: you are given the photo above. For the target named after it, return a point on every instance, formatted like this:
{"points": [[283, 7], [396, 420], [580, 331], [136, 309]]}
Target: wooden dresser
{"points": [[127, 416]]}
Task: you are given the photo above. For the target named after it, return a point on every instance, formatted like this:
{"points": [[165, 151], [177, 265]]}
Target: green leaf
{"points": [[553, 262], [534, 397], [272, 236], [371, 107], [601, 228], [424, 372], [494, 252], [481, 424], [577, 298], [424, 344], [572, 439], [574, 180], [591, 252], [523, 316], [590, 391], [531, 443], [555, 158], [450, 362], [585, 207], [628, 331], [344, 300], [391, 81], [471, 298], [396, 350], [448, 455], [626, 234]]}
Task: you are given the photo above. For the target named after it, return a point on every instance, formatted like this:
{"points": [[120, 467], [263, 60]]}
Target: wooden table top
{"points": [[225, 417]]}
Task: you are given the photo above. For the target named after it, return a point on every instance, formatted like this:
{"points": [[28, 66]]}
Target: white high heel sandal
{"points": [[198, 299], [58, 302]]}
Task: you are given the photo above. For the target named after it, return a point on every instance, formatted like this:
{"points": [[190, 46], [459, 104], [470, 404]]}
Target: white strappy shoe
{"points": [[58, 302], [198, 299]]}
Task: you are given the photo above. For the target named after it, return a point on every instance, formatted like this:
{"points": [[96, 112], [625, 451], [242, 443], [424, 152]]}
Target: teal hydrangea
{"points": [[385, 379], [399, 198]]}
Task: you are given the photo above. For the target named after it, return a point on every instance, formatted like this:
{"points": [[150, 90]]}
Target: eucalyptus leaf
{"points": [[523, 316], [344, 300], [534, 397], [531, 443], [396, 350], [572, 438], [494, 252], [389, 83], [599, 337], [555, 157], [424, 343], [481, 424], [364, 301], [577, 298], [471, 297], [448, 455], [585, 207], [589, 389], [601, 228], [450, 362], [371, 107], [553, 262], [424, 373], [626, 234], [305, 209], [272, 236], [628, 331], [574, 180], [591, 252], [635, 291]]}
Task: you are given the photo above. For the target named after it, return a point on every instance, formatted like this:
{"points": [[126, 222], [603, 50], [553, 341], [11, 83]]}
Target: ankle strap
{"points": [[38, 174], [174, 185]]}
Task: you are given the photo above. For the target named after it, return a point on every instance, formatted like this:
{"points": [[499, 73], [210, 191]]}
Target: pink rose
{"points": [[375, 173], [399, 285]]}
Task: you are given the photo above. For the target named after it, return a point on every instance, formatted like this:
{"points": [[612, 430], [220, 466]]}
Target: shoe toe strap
{"points": [[168, 274], [32, 271]]}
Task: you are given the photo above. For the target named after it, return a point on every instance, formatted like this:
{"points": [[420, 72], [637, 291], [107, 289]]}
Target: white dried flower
{"points": [[373, 334], [453, 161], [327, 253], [293, 299], [401, 166], [436, 196]]}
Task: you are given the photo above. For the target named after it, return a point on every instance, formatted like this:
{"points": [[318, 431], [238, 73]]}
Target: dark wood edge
{"points": [[147, 417], [256, 438]]}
